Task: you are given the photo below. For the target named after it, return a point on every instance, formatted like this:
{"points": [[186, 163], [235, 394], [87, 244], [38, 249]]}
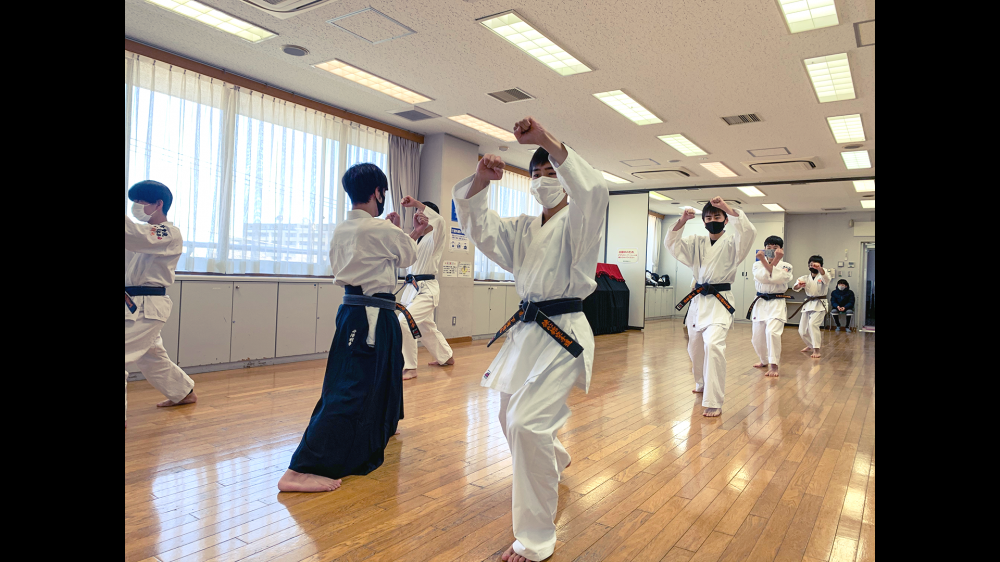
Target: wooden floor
{"points": [[787, 473]]}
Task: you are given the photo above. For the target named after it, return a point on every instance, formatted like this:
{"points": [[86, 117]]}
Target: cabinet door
{"points": [[649, 302], [255, 309], [206, 333], [480, 310], [296, 319], [498, 308], [330, 298], [513, 303], [171, 330], [662, 303]]}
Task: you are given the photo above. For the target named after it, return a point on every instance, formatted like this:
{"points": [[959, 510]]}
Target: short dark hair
{"points": [[540, 159], [362, 181], [709, 209], [844, 282], [817, 259], [151, 192], [432, 206], [775, 241]]}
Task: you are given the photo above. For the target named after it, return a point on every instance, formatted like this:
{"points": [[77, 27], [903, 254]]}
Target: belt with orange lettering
{"points": [[709, 290], [384, 302], [766, 297], [541, 313]]}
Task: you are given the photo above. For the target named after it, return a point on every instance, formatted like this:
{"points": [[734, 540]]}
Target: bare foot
{"points": [[409, 375], [713, 412], [307, 483], [447, 363], [807, 350], [511, 556], [773, 372], [760, 365], [816, 354], [189, 399], [696, 391]]}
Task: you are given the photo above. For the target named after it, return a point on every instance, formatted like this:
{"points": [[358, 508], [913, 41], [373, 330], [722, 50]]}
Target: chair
{"points": [[850, 315]]}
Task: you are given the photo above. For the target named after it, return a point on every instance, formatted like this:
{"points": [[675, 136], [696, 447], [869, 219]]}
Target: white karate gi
{"points": [[533, 372], [814, 313], [769, 317], [151, 255], [366, 252], [422, 304], [708, 320]]}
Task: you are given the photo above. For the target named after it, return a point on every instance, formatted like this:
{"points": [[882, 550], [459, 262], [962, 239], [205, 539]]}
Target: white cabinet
{"points": [[171, 330], [513, 304], [481, 309], [254, 321], [659, 302], [492, 306], [297, 305], [330, 298], [206, 328]]}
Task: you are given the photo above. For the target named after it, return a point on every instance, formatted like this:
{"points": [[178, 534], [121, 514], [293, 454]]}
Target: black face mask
{"points": [[715, 227], [381, 204], [814, 271]]}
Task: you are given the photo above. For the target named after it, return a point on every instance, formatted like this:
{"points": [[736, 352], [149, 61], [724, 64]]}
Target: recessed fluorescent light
{"points": [[719, 169], [214, 18], [513, 28], [359, 76], [752, 191], [484, 127], [831, 78], [869, 204], [659, 197], [866, 186], [803, 15], [857, 160], [622, 103], [614, 179], [774, 207], [683, 145], [847, 128]]}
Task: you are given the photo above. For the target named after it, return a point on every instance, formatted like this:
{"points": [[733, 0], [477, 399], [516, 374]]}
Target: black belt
{"points": [[707, 289], [355, 297], [766, 297], [414, 279], [804, 303], [541, 313], [146, 291]]}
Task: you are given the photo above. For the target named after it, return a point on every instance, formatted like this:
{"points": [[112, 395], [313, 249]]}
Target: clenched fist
{"points": [[394, 219], [689, 214], [409, 202], [529, 131], [490, 168]]}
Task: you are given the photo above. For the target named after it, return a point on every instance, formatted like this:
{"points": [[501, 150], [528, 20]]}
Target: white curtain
{"points": [[404, 165], [510, 197], [653, 241], [256, 180]]}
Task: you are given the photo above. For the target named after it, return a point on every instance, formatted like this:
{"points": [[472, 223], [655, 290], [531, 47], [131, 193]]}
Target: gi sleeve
{"points": [[804, 280], [588, 203], [782, 274], [744, 235], [682, 249], [155, 239], [400, 246], [440, 228], [494, 237]]}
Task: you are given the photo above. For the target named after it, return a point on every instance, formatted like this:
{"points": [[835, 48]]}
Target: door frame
{"points": [[862, 310]]}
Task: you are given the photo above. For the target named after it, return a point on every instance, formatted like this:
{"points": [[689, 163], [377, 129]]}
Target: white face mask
{"points": [[548, 192], [139, 212]]}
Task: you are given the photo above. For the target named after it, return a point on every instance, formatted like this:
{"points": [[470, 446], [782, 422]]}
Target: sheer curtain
{"points": [[653, 241], [510, 197], [256, 180]]}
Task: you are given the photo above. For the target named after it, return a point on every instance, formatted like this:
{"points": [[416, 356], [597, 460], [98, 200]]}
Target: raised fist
{"points": [[761, 256], [689, 214], [394, 219], [409, 202], [779, 253], [491, 168], [529, 131]]}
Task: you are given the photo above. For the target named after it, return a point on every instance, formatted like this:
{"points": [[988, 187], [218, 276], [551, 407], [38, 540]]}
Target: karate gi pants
{"points": [[530, 419], [810, 328], [707, 347], [422, 309], [144, 347], [767, 340]]}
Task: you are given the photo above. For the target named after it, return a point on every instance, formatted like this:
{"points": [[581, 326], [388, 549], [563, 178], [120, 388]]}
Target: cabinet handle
{"points": [[237, 286]]}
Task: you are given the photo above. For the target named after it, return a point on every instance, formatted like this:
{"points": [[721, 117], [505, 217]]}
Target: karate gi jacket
{"points": [[151, 255]]}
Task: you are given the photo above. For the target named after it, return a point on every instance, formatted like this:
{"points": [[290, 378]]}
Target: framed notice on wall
{"points": [[459, 241], [628, 255]]}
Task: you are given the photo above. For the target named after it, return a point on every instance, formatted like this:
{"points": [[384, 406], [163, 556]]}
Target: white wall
{"points": [[627, 220]]}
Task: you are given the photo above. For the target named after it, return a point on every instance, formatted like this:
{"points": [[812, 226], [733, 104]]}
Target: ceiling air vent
{"points": [[742, 119], [284, 9], [415, 114], [834, 210], [512, 96], [775, 167], [676, 174]]}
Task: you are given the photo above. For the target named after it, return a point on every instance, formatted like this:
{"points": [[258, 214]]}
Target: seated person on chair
{"points": [[842, 303]]}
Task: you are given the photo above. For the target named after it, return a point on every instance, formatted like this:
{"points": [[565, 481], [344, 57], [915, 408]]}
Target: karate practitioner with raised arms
{"points": [[152, 250], [550, 345], [714, 260], [423, 292], [362, 400], [816, 285], [769, 312]]}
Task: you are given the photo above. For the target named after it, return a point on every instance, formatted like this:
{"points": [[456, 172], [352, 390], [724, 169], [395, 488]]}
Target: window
{"points": [[509, 197], [256, 180]]}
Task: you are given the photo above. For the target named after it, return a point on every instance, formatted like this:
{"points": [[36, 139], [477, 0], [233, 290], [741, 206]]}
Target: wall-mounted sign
{"points": [[465, 270], [628, 255], [459, 241], [449, 269]]}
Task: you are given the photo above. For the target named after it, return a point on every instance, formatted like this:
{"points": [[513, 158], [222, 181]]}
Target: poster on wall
{"points": [[465, 270], [459, 241], [628, 255], [454, 212], [449, 269]]}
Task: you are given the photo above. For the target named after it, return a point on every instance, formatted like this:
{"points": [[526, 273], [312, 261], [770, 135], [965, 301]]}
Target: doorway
{"points": [[869, 288]]}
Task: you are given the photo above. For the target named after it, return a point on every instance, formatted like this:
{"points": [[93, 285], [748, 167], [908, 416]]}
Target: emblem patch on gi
{"points": [[487, 375], [160, 232], [787, 269], [350, 342]]}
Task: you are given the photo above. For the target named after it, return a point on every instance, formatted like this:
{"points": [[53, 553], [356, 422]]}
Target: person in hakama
{"points": [[549, 347], [152, 250], [770, 310], [362, 400], [714, 260], [422, 293]]}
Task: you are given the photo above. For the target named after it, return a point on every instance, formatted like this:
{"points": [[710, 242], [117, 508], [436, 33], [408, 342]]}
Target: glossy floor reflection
{"points": [[787, 473]]}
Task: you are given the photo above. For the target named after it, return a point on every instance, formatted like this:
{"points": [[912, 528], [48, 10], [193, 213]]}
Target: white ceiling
{"points": [[795, 199], [690, 62]]}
